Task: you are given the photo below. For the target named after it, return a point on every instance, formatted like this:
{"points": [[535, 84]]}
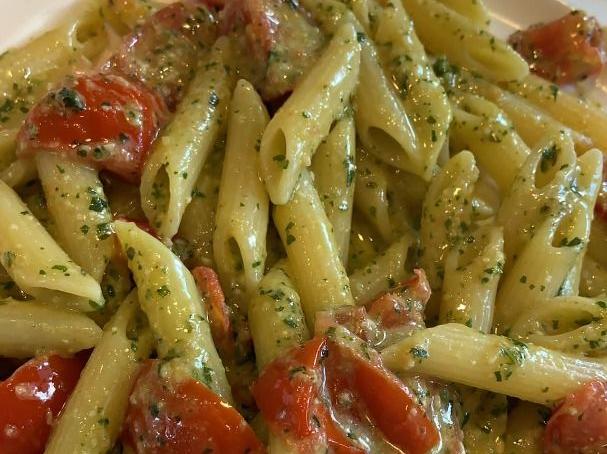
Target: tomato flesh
{"points": [[104, 120], [109, 120], [208, 284], [579, 424], [403, 305], [166, 417], [301, 396], [565, 50], [31, 400]]}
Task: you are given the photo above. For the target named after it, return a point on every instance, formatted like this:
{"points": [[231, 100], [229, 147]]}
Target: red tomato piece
{"points": [[565, 50], [285, 392], [104, 120], [32, 398], [164, 51], [284, 43], [354, 318], [208, 284], [377, 395], [184, 417], [309, 394], [403, 305], [579, 424]]}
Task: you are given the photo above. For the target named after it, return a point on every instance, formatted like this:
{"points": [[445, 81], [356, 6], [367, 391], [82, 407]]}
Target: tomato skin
{"points": [[32, 398], [103, 120], [579, 424], [300, 397], [403, 305], [110, 119], [162, 53], [382, 398], [208, 284], [565, 50], [185, 417]]}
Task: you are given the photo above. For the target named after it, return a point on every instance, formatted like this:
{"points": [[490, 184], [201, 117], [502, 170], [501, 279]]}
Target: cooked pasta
{"points": [[294, 227]]}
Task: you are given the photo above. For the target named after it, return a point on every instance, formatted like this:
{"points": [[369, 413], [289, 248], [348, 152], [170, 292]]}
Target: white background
{"points": [[22, 19]]}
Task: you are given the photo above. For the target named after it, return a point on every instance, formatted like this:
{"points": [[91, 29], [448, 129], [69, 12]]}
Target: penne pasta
{"points": [[275, 316], [36, 263], [382, 273], [30, 329], [442, 30], [334, 168], [493, 363], [80, 211], [239, 240], [171, 171], [298, 127], [92, 419], [314, 263], [169, 297]]}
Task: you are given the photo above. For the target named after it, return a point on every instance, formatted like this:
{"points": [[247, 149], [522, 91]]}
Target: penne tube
{"points": [[169, 297], [79, 208], [28, 328], [334, 168], [36, 263], [382, 273], [443, 31], [276, 318], [564, 107], [172, 169], [19, 172], [482, 128], [472, 274], [239, 241], [475, 11], [92, 418], [443, 223], [314, 263], [456, 353], [296, 130]]}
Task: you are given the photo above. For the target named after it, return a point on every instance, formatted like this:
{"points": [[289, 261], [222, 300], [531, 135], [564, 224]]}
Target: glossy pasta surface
{"points": [[299, 227]]}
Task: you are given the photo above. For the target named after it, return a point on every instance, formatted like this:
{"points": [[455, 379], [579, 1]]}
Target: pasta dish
{"points": [[302, 226]]}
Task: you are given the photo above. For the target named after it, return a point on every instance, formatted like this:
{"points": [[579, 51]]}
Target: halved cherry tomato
{"points": [[579, 424], [104, 120], [354, 318], [565, 50], [110, 119], [166, 417], [208, 284], [403, 305], [283, 42], [162, 53], [379, 396], [32, 398], [287, 395], [292, 395]]}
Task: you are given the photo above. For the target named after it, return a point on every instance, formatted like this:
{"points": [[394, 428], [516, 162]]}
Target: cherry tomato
{"points": [[292, 392], [104, 120], [565, 50], [166, 417], [163, 53], [32, 398], [579, 424], [403, 305], [379, 396]]}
